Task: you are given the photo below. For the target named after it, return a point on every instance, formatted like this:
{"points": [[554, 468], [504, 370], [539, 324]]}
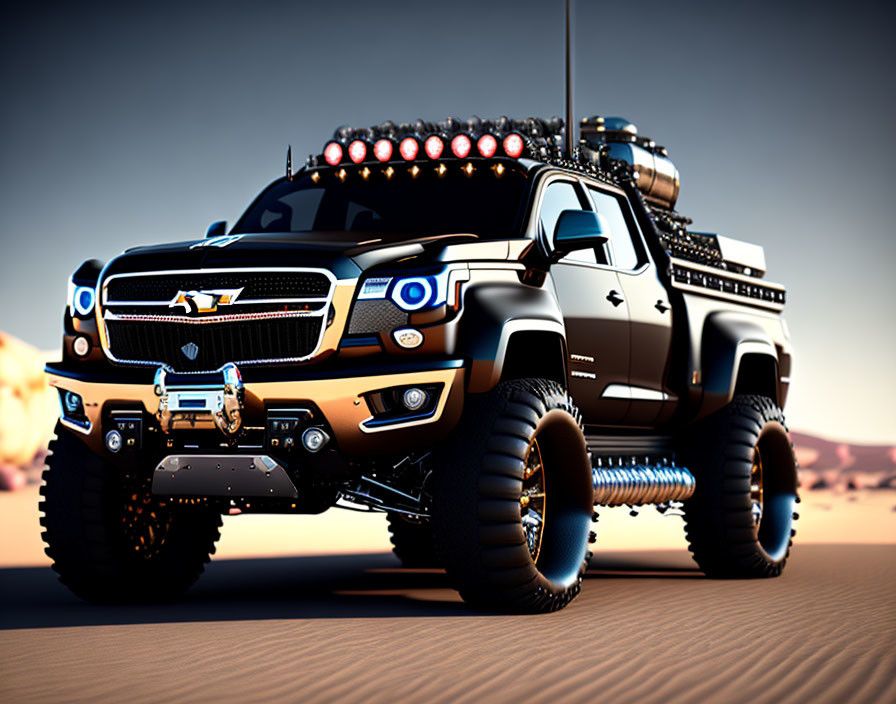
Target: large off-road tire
{"points": [[109, 538], [739, 522], [412, 541], [517, 458]]}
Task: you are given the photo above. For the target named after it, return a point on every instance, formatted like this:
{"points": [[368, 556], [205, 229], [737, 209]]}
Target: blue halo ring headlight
{"points": [[83, 300], [413, 293]]}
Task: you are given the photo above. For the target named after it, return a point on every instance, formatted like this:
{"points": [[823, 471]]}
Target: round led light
{"points": [[314, 439], [81, 346], [461, 146], [83, 300], [333, 153], [357, 151], [409, 338], [382, 150], [487, 145], [409, 148], [113, 441], [414, 399], [413, 293], [72, 402], [434, 146], [513, 145]]}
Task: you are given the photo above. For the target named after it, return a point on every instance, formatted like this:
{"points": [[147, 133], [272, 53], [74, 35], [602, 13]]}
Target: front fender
{"points": [[492, 313]]}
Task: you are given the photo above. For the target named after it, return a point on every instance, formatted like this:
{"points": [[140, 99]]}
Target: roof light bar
{"points": [[383, 149], [461, 146], [333, 153], [409, 148], [487, 146], [514, 145], [357, 151], [434, 146]]}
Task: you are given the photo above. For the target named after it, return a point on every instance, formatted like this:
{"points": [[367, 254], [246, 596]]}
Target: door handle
{"points": [[661, 306], [615, 298]]}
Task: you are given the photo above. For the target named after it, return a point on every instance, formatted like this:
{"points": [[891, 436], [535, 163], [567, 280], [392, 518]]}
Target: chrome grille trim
{"points": [[325, 302]]}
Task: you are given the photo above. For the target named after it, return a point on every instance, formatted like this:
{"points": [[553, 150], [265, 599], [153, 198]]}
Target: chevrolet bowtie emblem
{"points": [[205, 301]]}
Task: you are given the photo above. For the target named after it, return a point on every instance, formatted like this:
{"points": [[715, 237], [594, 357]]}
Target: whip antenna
{"points": [[570, 118]]}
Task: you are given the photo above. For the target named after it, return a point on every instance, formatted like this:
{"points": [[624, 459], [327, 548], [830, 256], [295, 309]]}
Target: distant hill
{"points": [[827, 463]]}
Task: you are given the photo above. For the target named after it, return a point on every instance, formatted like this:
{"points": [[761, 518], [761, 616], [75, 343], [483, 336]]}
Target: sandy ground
{"points": [[647, 628], [354, 627]]}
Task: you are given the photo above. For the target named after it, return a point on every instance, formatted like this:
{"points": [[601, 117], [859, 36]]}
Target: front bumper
{"points": [[340, 395]]}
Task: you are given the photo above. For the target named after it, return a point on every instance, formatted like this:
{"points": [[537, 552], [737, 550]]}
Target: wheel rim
{"points": [[756, 487], [146, 521], [533, 500]]}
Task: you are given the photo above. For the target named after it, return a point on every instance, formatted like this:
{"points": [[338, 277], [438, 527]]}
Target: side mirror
{"points": [[579, 229], [216, 229]]}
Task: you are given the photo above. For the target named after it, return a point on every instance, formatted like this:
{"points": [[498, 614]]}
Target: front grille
{"points": [[215, 344], [259, 326], [255, 285]]}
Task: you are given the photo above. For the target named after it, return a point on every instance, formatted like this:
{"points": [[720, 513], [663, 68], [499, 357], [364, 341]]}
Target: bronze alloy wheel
{"points": [[532, 500], [756, 487]]}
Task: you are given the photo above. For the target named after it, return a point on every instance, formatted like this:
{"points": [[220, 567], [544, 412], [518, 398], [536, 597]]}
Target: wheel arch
{"points": [[737, 356]]}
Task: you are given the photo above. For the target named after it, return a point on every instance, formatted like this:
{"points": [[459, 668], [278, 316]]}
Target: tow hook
{"points": [[201, 404]]}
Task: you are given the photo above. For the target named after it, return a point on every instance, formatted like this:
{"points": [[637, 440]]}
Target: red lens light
{"points": [[461, 146], [513, 145], [382, 150], [333, 153], [487, 146], [434, 146], [357, 151], [408, 148]]}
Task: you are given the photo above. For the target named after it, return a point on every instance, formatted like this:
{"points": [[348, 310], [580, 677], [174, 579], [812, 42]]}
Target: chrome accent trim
{"points": [[101, 302], [635, 393], [641, 484], [250, 301], [583, 375], [230, 318], [74, 425], [581, 358]]}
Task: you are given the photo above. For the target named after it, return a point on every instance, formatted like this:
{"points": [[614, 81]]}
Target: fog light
{"points": [[81, 346], [113, 441], [72, 402], [414, 399], [409, 338], [314, 439]]}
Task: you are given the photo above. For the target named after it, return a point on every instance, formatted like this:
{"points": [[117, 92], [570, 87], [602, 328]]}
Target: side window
{"points": [[624, 254], [560, 196]]}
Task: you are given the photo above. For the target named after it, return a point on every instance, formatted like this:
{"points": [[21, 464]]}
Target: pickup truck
{"points": [[460, 324]]}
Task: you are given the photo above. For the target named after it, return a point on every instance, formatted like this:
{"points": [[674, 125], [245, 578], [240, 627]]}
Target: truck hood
{"points": [[346, 254]]}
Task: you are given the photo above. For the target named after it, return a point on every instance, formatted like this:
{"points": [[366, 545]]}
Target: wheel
{"points": [[513, 499], [109, 538], [739, 520], [412, 541]]}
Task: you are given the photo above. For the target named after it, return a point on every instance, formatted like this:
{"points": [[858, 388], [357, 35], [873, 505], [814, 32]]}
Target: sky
{"points": [[133, 123]]}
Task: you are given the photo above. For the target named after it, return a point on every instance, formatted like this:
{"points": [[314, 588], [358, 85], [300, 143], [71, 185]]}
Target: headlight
{"points": [[80, 299], [415, 293], [410, 293]]}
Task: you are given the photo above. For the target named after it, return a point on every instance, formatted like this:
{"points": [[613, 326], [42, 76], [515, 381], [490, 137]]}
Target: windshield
{"points": [[485, 199]]}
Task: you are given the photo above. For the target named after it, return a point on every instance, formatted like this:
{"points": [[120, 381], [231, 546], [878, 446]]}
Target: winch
{"points": [[199, 402]]}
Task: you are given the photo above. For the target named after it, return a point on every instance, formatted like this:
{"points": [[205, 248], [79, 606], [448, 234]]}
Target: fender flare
{"points": [[492, 314], [727, 339]]}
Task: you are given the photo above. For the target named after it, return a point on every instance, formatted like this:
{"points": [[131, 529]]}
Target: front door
{"points": [[595, 315]]}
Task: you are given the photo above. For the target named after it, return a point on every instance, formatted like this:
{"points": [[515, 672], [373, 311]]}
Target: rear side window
{"points": [[624, 254]]}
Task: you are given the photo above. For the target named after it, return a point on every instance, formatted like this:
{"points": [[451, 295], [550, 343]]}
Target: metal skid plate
{"points": [[222, 475]]}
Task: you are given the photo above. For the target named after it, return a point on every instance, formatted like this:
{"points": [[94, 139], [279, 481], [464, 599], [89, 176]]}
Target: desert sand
{"points": [[647, 628], [312, 623]]}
